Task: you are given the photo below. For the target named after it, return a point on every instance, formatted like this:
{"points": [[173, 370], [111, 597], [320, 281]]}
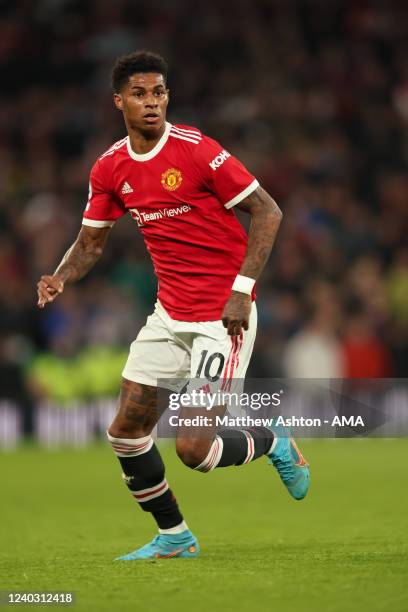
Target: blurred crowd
{"points": [[311, 95]]}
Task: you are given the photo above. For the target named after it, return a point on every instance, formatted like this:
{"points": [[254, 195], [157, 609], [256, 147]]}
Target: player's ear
{"points": [[117, 98]]}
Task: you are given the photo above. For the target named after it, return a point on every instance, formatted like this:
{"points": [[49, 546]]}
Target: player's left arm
{"points": [[265, 220]]}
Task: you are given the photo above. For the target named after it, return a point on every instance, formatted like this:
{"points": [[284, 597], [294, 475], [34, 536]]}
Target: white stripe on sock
{"points": [[144, 495], [213, 458], [130, 447], [274, 443], [177, 529], [251, 446]]}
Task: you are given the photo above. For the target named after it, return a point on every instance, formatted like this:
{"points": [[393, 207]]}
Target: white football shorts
{"points": [[170, 349]]}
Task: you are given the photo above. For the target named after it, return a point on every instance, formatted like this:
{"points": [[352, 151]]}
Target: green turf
{"points": [[66, 515]]}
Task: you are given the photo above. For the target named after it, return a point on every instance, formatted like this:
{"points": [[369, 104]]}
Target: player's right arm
{"points": [[77, 262], [102, 210]]}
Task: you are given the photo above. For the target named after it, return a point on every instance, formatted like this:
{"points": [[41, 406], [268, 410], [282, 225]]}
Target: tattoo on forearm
{"points": [[265, 221], [79, 258]]}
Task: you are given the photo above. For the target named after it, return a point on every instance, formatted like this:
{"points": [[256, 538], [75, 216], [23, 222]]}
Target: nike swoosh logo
{"points": [[169, 555], [302, 461]]}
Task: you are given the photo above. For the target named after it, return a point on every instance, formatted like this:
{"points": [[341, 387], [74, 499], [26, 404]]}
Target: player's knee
{"points": [[124, 428], [190, 453], [137, 414]]}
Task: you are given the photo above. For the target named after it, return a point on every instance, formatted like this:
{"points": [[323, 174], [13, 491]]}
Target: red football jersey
{"points": [[181, 195]]}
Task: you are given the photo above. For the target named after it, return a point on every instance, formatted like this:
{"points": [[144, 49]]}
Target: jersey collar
{"points": [[141, 157]]}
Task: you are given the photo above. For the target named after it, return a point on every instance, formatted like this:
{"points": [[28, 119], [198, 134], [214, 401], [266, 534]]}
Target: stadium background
{"points": [[313, 97]]}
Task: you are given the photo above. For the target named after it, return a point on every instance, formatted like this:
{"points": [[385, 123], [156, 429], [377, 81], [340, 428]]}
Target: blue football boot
{"points": [[166, 546], [290, 464]]}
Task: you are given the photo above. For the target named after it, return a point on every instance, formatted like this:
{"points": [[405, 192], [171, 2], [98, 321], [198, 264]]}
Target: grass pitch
{"points": [[66, 514]]}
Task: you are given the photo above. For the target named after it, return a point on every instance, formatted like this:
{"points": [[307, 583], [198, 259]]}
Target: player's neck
{"points": [[143, 142]]}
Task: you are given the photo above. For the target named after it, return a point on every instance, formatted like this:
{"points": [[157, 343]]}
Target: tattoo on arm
{"points": [[265, 220], [83, 254]]}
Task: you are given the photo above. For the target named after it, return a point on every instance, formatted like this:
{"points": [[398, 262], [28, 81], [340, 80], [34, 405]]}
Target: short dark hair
{"points": [[139, 61]]}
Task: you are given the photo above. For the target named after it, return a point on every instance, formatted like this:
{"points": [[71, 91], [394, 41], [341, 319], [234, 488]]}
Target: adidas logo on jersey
{"points": [[126, 189], [219, 160]]}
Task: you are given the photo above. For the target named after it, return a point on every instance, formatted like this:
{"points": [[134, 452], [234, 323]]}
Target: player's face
{"points": [[143, 101]]}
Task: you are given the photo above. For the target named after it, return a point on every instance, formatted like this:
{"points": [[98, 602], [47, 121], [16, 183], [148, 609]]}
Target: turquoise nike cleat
{"points": [[166, 546], [291, 466]]}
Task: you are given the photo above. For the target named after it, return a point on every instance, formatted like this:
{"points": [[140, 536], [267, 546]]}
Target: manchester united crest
{"points": [[171, 179]]}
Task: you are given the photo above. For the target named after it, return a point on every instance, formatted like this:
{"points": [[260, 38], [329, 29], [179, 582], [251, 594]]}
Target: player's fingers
{"points": [[53, 283], [225, 322], [42, 284], [50, 292], [230, 327], [43, 300], [234, 328], [42, 292], [52, 286], [45, 294], [245, 325], [45, 291], [49, 286]]}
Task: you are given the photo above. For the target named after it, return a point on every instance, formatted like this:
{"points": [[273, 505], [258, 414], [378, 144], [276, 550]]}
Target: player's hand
{"points": [[48, 287], [236, 313]]}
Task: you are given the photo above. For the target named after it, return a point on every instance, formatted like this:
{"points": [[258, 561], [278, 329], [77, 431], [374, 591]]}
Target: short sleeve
{"points": [[102, 209], [223, 173]]}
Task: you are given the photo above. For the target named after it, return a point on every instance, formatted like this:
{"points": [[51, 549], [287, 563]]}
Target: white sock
{"points": [[274, 443], [175, 530]]}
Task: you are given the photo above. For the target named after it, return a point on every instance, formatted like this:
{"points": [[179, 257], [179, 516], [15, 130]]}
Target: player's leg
{"points": [[222, 359], [228, 447], [210, 449], [130, 437], [142, 466]]}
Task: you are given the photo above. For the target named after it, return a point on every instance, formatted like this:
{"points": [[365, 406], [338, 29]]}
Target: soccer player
{"points": [[180, 187]]}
